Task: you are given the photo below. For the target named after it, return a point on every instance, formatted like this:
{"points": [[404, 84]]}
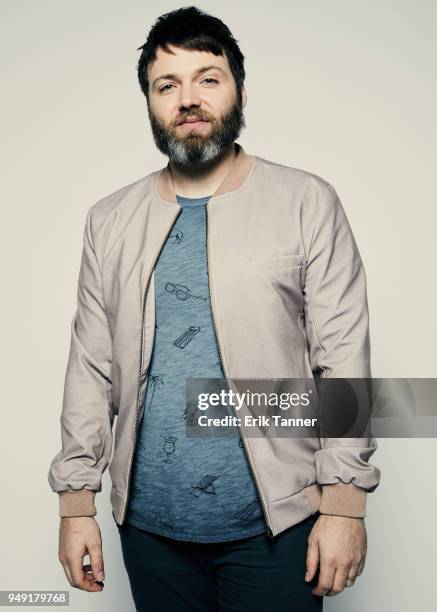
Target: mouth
{"points": [[192, 122]]}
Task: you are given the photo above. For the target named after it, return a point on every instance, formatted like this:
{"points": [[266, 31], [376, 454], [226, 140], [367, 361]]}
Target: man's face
{"points": [[194, 109]]}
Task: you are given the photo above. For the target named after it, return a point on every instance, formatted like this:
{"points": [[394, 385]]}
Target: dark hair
{"points": [[191, 28]]}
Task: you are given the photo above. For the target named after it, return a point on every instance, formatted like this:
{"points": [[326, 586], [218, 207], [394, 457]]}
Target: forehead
{"points": [[184, 62]]}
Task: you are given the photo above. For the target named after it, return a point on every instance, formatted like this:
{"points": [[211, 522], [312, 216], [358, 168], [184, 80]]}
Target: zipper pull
{"points": [[269, 533]]}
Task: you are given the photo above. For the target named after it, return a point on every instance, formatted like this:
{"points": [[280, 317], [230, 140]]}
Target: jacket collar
{"points": [[236, 177]]}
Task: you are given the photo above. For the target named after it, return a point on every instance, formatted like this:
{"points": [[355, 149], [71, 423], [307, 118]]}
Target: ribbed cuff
{"points": [[343, 500], [77, 503]]}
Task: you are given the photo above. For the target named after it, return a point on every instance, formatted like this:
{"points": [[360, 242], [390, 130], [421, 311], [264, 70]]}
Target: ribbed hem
{"points": [[343, 500], [77, 503]]}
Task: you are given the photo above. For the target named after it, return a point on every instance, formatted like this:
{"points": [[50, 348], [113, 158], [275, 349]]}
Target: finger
{"points": [[326, 577], [96, 559], [352, 574], [312, 560], [78, 576], [339, 583], [88, 573], [361, 567]]}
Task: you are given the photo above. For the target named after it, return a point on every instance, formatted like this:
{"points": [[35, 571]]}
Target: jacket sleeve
{"points": [[86, 418], [337, 328]]}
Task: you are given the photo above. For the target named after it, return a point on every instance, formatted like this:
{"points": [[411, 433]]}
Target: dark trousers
{"points": [[254, 574]]}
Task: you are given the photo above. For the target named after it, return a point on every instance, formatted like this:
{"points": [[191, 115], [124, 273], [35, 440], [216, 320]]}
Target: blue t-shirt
{"points": [[199, 489]]}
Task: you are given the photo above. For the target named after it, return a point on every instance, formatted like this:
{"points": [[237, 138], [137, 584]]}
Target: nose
{"points": [[188, 97]]}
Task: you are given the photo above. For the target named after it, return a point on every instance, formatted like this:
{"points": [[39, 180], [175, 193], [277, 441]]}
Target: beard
{"points": [[196, 149]]}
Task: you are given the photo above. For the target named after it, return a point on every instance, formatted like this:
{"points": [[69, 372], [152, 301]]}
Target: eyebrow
{"points": [[197, 73]]}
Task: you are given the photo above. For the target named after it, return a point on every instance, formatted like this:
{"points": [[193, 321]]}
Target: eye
{"points": [[164, 87], [210, 80]]}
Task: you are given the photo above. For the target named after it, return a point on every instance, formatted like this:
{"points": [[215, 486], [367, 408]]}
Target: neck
{"points": [[199, 181]]}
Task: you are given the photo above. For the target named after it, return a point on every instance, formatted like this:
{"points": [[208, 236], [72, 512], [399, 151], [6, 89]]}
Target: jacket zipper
{"points": [[134, 432], [268, 530]]}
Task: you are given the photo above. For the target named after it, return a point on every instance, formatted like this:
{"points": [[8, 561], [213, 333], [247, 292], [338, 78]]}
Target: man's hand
{"points": [[79, 536], [339, 544]]}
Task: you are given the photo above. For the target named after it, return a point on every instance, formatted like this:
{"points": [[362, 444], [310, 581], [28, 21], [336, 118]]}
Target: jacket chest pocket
{"points": [[278, 281]]}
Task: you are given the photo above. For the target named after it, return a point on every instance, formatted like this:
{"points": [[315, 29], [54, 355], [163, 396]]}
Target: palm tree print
{"points": [[155, 381]]}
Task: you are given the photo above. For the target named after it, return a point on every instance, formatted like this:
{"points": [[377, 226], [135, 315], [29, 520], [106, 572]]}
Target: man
{"points": [[222, 264]]}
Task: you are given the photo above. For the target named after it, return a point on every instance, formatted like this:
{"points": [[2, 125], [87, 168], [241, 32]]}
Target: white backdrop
{"points": [[343, 89]]}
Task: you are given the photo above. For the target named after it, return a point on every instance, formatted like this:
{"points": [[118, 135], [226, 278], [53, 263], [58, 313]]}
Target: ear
{"points": [[243, 95]]}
